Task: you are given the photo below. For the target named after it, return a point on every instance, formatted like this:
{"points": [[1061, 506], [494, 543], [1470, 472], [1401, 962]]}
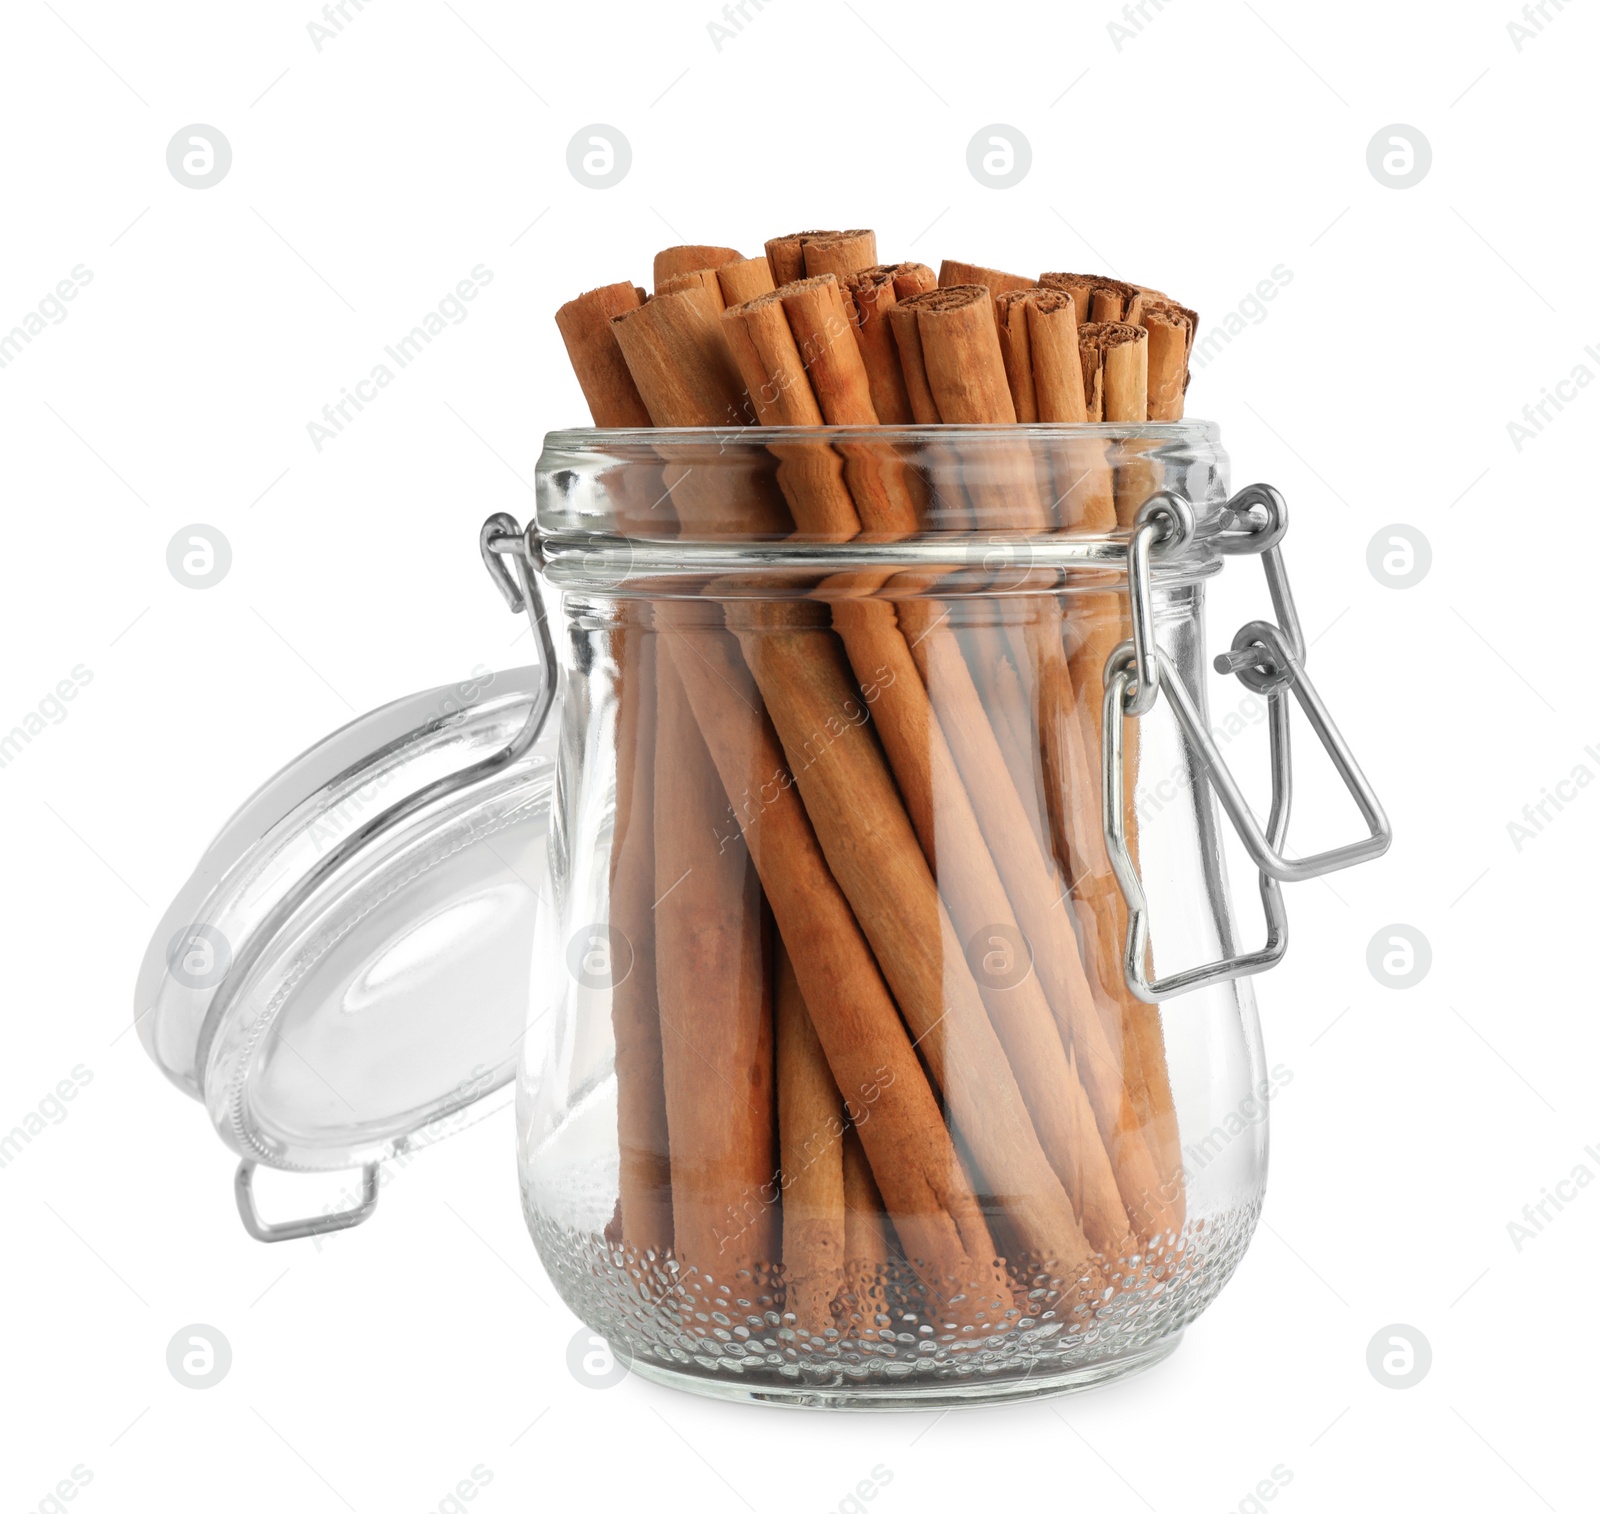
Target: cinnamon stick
{"points": [[802, 368], [811, 1133], [966, 372], [967, 375], [1072, 751], [644, 1174], [1159, 304], [744, 280], [883, 663], [769, 358], [839, 253], [786, 255], [874, 1065], [909, 278], [822, 328], [953, 273], [1036, 889], [1089, 494], [1099, 298], [1066, 693], [679, 358], [953, 844], [679, 361], [1171, 336], [1039, 341], [706, 279], [585, 326], [873, 852], [1053, 353], [913, 365], [671, 261], [713, 982], [1116, 366], [872, 295], [769, 361], [644, 1204], [1011, 319]]}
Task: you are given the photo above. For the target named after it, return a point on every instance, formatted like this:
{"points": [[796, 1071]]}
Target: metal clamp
{"points": [[299, 1230], [1266, 657]]}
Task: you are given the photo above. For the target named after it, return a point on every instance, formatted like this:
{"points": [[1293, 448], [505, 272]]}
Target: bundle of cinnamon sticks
{"points": [[877, 1026]]}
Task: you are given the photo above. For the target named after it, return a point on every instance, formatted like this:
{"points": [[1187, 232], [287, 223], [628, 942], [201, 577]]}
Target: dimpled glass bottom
{"points": [[732, 1339]]}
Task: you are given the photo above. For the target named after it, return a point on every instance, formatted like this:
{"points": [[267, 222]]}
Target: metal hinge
{"points": [[1266, 657]]}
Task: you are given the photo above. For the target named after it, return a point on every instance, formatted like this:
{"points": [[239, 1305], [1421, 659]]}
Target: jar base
{"points": [[886, 1396]]}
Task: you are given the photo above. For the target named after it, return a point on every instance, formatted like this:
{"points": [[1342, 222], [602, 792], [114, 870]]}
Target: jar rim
{"points": [[599, 493], [580, 438]]}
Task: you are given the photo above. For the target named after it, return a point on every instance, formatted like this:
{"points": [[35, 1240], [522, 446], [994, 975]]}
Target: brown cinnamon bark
{"points": [[955, 848], [1037, 891], [769, 361], [823, 331], [713, 979], [585, 326], [874, 854], [671, 261], [871, 297], [910, 278], [1088, 497], [811, 476], [1116, 361], [871, 294], [1096, 626], [706, 279], [953, 273], [679, 358], [913, 365], [644, 1173], [967, 376], [786, 255], [961, 355], [1171, 336], [744, 280], [1039, 341], [1011, 319], [874, 1065], [644, 1205], [1159, 304], [803, 368], [1099, 298], [1057, 367], [680, 362], [811, 1131], [839, 253]]}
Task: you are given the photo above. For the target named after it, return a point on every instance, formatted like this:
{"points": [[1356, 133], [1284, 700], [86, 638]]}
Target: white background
{"points": [[1221, 141]]}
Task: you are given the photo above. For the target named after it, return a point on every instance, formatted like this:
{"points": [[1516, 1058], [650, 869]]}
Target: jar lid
{"points": [[349, 966]]}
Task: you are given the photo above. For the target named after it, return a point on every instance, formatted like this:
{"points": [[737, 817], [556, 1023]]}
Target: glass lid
{"points": [[350, 962]]}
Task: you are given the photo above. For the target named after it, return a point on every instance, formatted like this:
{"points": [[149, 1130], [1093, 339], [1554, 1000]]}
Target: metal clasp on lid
{"points": [[1266, 657], [299, 1230]]}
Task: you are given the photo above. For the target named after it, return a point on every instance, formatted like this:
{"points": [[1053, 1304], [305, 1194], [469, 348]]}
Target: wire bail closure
{"points": [[1268, 658]]}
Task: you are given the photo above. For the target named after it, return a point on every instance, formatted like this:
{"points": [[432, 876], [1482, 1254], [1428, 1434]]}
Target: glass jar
{"points": [[857, 1090], [848, 906]]}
